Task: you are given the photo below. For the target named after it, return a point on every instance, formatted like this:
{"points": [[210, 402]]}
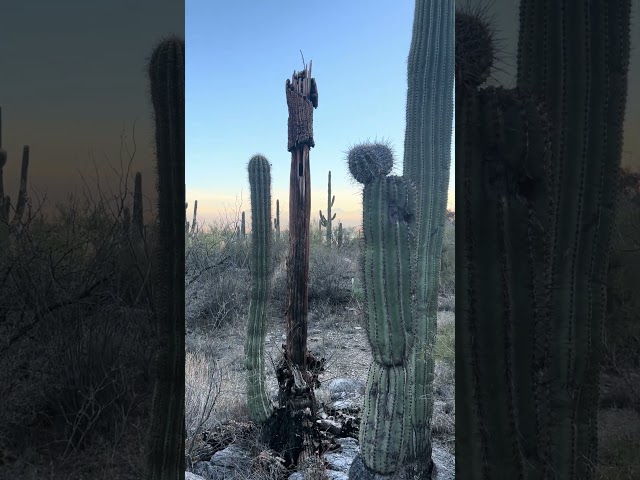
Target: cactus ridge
{"points": [[260, 406]]}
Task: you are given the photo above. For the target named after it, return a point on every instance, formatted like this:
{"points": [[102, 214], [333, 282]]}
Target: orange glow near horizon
{"points": [[216, 207]]}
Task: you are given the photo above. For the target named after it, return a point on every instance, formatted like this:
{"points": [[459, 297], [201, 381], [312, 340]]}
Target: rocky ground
{"points": [[339, 338]]}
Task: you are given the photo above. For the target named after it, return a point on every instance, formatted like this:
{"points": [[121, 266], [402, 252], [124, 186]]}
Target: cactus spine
{"points": [[326, 222], [260, 407], [550, 190], [166, 74], [427, 159]]}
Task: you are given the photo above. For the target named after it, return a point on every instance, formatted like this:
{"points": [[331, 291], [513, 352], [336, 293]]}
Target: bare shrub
{"points": [[202, 389], [75, 333]]}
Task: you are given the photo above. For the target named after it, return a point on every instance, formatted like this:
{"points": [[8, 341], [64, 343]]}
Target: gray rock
{"points": [[344, 404], [342, 459], [445, 464], [231, 463], [343, 387], [192, 476], [334, 475]]}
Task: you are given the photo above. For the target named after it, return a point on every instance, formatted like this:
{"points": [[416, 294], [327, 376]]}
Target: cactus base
{"points": [[413, 471]]}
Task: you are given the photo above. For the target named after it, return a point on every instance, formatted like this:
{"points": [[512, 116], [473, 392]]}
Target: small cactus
{"points": [[276, 220], [326, 222]]}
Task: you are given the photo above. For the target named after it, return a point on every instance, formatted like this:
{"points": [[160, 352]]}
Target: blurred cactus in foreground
{"points": [[167, 78]]}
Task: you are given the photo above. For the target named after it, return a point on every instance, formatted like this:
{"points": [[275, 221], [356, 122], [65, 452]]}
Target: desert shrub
{"points": [[330, 274], [103, 362], [203, 385], [75, 296], [217, 277]]}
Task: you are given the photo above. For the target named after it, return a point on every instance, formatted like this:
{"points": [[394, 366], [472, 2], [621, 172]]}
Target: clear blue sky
{"points": [[239, 55]]}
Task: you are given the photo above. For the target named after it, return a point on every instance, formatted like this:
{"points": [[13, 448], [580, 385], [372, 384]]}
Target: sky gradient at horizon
{"points": [[238, 59]]}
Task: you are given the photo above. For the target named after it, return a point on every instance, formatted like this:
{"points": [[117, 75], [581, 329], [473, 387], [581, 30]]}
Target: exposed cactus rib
{"points": [[260, 407]]}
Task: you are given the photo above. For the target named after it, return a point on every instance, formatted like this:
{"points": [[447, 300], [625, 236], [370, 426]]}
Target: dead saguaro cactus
{"points": [[291, 427], [302, 98]]}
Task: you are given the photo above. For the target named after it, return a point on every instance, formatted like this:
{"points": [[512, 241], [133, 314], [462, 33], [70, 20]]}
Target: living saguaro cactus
{"points": [[326, 222], [548, 153], [260, 406], [427, 159], [166, 74], [388, 273], [7, 223]]}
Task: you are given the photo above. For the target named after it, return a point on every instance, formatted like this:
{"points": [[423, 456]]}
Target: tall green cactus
{"points": [[427, 158], [166, 74], [326, 222], [260, 407], [537, 174]]}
